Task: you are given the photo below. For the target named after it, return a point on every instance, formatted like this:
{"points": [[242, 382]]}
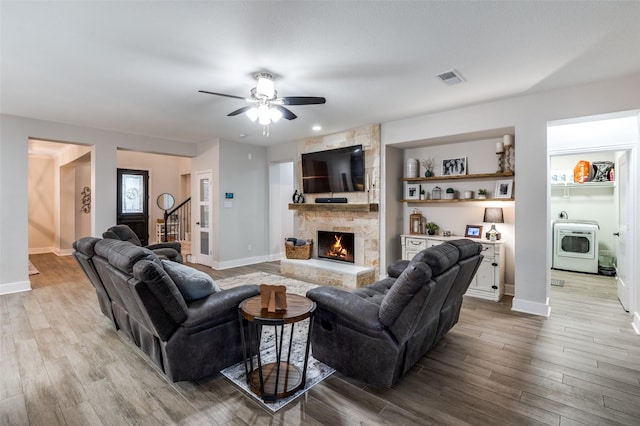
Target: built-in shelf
{"points": [[457, 200], [606, 184], [335, 207], [459, 177]]}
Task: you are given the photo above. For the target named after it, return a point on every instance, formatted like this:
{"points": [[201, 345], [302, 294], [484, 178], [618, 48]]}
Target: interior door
{"points": [[133, 202], [623, 275], [203, 225]]}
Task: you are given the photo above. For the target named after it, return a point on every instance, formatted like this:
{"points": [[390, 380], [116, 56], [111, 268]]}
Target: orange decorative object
{"points": [[582, 172], [273, 297]]}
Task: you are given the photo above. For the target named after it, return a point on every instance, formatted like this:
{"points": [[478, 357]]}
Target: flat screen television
{"points": [[334, 170]]}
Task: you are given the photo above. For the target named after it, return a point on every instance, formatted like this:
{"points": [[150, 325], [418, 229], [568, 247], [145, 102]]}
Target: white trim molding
{"points": [[636, 322], [529, 307], [16, 287]]}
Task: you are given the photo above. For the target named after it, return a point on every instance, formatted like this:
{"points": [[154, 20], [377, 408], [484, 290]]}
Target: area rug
{"points": [[32, 269], [316, 370]]}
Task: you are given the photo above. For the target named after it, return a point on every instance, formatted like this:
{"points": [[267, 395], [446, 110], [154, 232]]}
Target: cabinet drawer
{"points": [[488, 250], [416, 244]]}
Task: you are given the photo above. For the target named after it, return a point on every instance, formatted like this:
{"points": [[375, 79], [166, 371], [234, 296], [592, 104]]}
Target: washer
{"points": [[575, 245]]}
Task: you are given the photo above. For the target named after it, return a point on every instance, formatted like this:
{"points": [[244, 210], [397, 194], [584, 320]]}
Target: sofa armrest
{"points": [[351, 308], [170, 244], [395, 269], [212, 309]]}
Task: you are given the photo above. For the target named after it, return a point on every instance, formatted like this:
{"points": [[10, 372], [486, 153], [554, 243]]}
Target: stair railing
{"points": [[177, 221]]}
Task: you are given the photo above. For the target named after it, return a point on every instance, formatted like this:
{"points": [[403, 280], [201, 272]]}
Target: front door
{"points": [[204, 226], [133, 202]]}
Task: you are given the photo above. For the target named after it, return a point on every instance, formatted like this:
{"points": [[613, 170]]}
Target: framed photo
{"points": [[412, 191], [503, 188], [473, 231], [454, 166]]}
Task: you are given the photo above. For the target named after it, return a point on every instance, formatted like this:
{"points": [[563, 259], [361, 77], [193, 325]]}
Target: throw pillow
{"points": [[193, 284]]}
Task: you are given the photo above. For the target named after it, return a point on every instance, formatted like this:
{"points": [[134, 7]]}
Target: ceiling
{"points": [[136, 67]]}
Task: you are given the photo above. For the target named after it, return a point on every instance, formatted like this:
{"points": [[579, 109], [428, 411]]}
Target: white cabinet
{"points": [[488, 283]]}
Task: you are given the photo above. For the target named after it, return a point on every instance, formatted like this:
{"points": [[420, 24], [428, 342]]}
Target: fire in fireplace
{"points": [[336, 246]]}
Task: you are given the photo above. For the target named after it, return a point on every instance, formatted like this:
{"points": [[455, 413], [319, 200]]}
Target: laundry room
{"points": [[584, 211]]}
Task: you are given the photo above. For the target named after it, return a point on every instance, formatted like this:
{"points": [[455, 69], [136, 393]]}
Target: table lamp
{"points": [[493, 215]]}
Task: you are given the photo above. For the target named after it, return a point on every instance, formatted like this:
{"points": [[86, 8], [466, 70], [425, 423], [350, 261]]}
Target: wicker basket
{"points": [[298, 252]]}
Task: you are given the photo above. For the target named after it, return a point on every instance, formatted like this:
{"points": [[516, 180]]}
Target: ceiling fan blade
{"points": [[239, 111], [222, 94], [303, 100], [286, 114]]}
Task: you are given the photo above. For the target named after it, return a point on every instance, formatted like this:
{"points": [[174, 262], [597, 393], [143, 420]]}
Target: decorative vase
{"points": [[428, 173], [431, 232]]}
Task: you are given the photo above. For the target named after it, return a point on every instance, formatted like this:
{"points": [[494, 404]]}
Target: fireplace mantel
{"points": [[334, 207]]}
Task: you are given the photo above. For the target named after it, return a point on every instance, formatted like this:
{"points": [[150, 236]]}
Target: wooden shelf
{"points": [[457, 200], [460, 177], [334, 207]]}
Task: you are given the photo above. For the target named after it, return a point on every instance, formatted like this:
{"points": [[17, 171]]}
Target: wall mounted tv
{"points": [[335, 170]]}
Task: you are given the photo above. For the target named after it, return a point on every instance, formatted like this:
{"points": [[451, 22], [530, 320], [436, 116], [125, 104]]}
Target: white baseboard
{"points": [[240, 262], [274, 257], [636, 322], [42, 250], [509, 289], [16, 287], [529, 307], [54, 250]]}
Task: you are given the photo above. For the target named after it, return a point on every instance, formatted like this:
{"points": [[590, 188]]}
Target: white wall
{"points": [[281, 184], [41, 196], [529, 116], [14, 135]]}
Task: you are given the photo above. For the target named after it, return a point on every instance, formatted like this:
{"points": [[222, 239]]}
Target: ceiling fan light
{"points": [[276, 115], [252, 113], [265, 88], [264, 115]]}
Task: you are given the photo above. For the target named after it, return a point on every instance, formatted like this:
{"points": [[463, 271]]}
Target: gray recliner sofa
{"points": [[378, 332], [171, 250], [175, 314]]}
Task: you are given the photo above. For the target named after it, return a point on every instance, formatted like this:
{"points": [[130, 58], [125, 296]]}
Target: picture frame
{"points": [[454, 166], [412, 191], [473, 231], [504, 188]]}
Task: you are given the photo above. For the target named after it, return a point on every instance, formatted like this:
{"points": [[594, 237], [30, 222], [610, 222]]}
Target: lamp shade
{"points": [[493, 215]]}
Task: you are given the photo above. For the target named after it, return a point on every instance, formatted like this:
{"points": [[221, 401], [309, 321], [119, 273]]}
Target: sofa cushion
{"points": [[466, 248], [123, 254], [193, 284], [414, 277], [439, 258], [396, 268], [122, 233], [163, 288], [85, 245]]}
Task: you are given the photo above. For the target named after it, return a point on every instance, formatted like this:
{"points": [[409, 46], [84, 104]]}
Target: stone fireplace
{"points": [[335, 245], [359, 217]]}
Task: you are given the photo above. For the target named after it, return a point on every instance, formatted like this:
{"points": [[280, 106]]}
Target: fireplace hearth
{"points": [[333, 245]]}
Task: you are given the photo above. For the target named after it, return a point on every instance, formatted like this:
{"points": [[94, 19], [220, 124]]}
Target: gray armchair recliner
{"points": [[378, 332], [171, 250], [187, 331]]}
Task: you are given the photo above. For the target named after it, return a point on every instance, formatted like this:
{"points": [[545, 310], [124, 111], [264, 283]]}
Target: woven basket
{"points": [[298, 252]]}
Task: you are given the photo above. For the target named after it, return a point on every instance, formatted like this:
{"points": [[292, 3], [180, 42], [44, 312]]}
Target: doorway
{"points": [[204, 218], [133, 202], [603, 199]]}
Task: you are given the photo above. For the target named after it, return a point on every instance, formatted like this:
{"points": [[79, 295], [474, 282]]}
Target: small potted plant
{"points": [[431, 227], [423, 194], [428, 164], [482, 193], [450, 194]]}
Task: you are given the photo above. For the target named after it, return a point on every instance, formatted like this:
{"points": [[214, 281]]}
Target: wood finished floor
{"points": [[61, 362]]}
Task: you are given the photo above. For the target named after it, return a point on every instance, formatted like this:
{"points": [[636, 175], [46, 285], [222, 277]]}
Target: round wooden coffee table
{"points": [[281, 378]]}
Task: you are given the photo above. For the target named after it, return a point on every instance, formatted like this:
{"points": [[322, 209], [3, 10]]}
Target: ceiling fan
{"points": [[266, 106]]}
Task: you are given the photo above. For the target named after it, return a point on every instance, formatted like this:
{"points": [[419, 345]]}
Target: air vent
{"points": [[450, 77]]}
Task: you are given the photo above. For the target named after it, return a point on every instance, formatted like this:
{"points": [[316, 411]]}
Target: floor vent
{"points": [[557, 283]]}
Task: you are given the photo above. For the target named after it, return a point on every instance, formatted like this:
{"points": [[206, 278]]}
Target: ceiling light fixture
{"points": [[265, 93], [316, 128]]}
